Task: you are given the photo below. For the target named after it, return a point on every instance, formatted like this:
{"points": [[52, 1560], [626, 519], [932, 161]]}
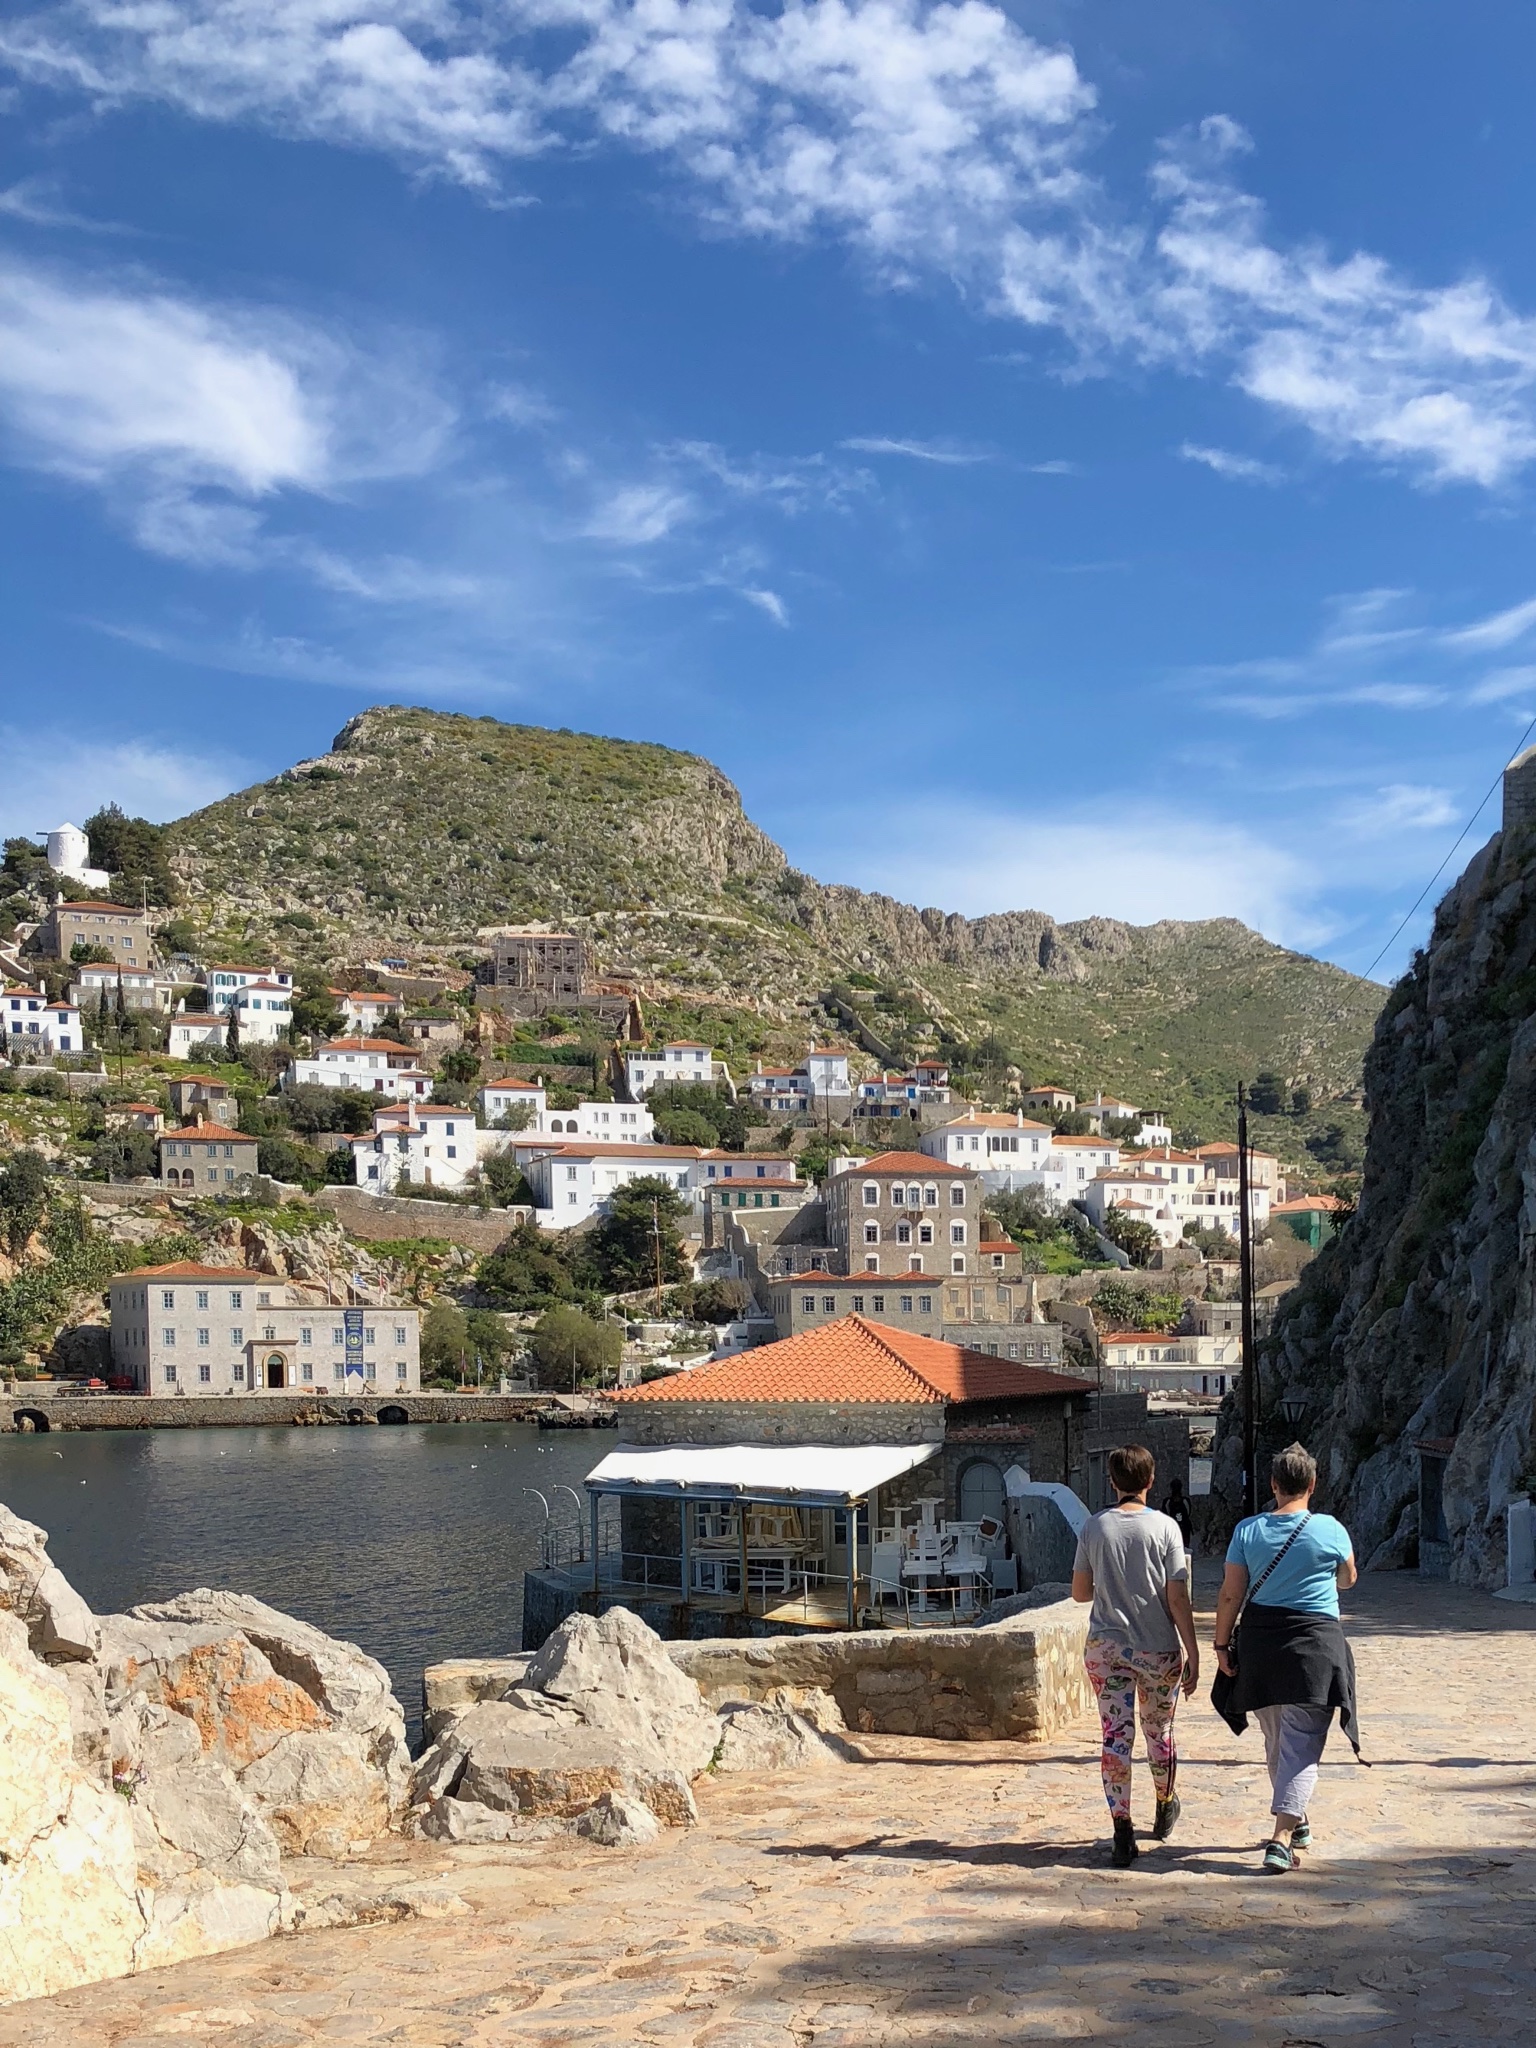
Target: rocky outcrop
{"points": [[791, 1729], [601, 1711], [1419, 1321], [158, 1767]]}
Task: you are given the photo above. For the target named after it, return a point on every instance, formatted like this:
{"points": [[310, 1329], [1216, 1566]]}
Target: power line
{"points": [[1439, 871]]}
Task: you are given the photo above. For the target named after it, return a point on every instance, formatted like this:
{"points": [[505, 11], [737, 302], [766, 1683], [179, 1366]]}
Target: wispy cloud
{"points": [[1399, 807], [919, 451], [934, 137], [51, 776], [636, 515], [769, 602], [37, 202], [1243, 469]]}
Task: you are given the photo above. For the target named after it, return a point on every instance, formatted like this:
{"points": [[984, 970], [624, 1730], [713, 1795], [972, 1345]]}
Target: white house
{"points": [[573, 1182], [376, 1066], [896, 1094], [208, 1330], [192, 1031], [683, 1060], [225, 983], [69, 855], [33, 1024], [430, 1145], [1009, 1151], [623, 1123], [364, 1009], [1152, 1362], [495, 1098], [142, 989], [1074, 1162], [264, 1010], [793, 1091]]}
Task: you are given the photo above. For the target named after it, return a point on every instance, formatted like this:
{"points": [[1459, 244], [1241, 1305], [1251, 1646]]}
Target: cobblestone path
{"points": [[959, 1894]]}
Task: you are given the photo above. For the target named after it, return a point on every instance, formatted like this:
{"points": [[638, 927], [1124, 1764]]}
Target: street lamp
{"points": [[1295, 1406]]}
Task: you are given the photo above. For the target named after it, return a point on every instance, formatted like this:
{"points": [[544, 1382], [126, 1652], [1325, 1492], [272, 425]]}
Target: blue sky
{"points": [[1064, 457]]}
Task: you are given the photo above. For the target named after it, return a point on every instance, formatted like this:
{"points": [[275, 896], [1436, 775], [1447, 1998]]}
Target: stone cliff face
{"points": [[1419, 1321]]}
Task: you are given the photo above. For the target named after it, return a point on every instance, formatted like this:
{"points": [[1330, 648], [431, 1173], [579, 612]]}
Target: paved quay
{"points": [[959, 1894]]}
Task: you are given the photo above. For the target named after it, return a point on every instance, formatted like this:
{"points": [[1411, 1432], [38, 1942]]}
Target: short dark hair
{"points": [[1131, 1468], [1293, 1471]]}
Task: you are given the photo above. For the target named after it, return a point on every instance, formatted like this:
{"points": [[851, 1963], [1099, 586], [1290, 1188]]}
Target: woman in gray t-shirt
{"points": [[1141, 1639]]}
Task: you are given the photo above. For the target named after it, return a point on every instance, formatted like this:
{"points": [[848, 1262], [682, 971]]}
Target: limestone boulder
{"points": [[618, 1823], [793, 1728], [465, 1820], [612, 1673], [60, 1626], [214, 1677], [319, 1791], [513, 1760], [69, 1904]]}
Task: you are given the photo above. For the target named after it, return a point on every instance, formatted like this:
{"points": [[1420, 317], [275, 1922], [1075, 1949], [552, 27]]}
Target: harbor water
{"points": [[410, 1541]]}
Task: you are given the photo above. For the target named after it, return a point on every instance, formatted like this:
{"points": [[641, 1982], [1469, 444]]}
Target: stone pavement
{"points": [[959, 1894]]}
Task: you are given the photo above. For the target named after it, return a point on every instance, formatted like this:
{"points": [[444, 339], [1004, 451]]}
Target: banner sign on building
{"points": [[352, 1322]]}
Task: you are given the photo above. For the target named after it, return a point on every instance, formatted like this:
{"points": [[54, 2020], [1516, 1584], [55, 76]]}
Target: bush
{"points": [[1136, 1239], [528, 1270], [23, 1197], [124, 1155], [639, 1235], [570, 1348]]}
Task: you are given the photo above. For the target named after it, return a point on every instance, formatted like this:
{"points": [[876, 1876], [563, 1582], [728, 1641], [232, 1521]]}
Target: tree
{"points": [[719, 1301], [701, 1105], [489, 1338], [85, 954], [445, 1344], [286, 1160], [1210, 1242], [461, 1065], [123, 1155], [518, 1117], [1301, 1101], [23, 1198], [1117, 1305], [639, 1235], [504, 1180], [232, 1036], [1032, 1213], [316, 1013], [1072, 1123], [133, 852], [1267, 1095], [1136, 1239], [685, 1127], [570, 1348], [527, 1270]]}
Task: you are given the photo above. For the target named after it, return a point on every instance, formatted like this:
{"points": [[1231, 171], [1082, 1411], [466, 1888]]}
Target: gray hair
{"points": [[1293, 1471]]}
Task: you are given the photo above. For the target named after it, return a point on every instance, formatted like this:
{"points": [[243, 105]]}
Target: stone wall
{"points": [[1020, 1679], [140, 1411], [381, 1218], [779, 1422]]}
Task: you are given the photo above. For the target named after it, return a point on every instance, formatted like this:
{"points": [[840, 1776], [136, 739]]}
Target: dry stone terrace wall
{"points": [[44, 1405], [389, 1218]]}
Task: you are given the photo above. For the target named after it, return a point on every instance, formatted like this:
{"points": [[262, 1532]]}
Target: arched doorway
{"points": [[393, 1413], [982, 1495], [33, 1419], [277, 1369]]}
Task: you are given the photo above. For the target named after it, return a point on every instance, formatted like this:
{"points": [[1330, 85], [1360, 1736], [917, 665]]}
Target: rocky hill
{"points": [[420, 828], [1419, 1321]]}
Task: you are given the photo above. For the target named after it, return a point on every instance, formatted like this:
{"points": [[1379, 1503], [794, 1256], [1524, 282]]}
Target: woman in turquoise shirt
{"points": [[1292, 1668]]}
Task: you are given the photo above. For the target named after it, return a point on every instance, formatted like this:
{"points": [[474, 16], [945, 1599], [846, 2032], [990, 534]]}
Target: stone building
{"points": [[121, 931], [541, 963], [904, 1213], [206, 1158], [193, 1329]]}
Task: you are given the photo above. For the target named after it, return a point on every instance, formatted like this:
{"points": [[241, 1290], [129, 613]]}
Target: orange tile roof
{"points": [[856, 1361], [599, 1148], [188, 1269], [226, 1133], [532, 1087], [1299, 1202], [363, 1045], [992, 1120], [1094, 1144], [116, 909], [997, 1244], [905, 1163], [197, 1017]]}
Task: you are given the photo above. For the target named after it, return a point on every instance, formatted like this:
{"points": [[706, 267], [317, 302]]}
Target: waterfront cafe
{"points": [[851, 1475]]}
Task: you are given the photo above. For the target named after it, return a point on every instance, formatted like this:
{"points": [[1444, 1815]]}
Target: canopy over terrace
{"points": [[789, 1476]]}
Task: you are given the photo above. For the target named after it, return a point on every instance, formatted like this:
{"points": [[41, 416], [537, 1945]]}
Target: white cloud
{"points": [[1143, 866], [768, 601], [1399, 807], [919, 451], [1501, 629], [636, 515], [36, 202], [1500, 684], [934, 137], [1243, 469], [52, 777]]}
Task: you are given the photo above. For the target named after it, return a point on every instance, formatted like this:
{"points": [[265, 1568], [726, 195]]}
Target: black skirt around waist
{"points": [[1289, 1657]]}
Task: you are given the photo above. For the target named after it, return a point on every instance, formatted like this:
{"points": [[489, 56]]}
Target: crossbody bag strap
{"points": [[1275, 1560]]}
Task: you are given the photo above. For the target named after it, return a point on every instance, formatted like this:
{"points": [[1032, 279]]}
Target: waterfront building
{"points": [[189, 1329]]}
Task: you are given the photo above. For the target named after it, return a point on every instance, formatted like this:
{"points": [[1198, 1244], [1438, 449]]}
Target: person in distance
{"points": [[1141, 1640]]}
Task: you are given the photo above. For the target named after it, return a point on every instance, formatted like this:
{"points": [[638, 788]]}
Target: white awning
{"points": [[822, 1475]]}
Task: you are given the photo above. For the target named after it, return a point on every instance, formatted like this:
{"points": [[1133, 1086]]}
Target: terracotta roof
{"points": [[1170, 1155], [1140, 1337], [201, 1081], [22, 990], [188, 1269], [856, 1361], [905, 1163], [800, 1186], [532, 1087], [73, 1008], [226, 1133], [1299, 1202], [1222, 1149], [992, 1120], [815, 1278], [116, 909], [997, 1244], [1094, 1144], [361, 1045], [135, 1105], [196, 1017]]}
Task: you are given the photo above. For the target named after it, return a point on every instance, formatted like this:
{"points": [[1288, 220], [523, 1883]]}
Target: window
{"points": [[338, 1371], [925, 1233], [903, 1233], [338, 1335], [402, 1370], [264, 1299], [453, 1151], [307, 1370], [808, 1304], [400, 1333], [871, 1194], [213, 1173], [368, 1335], [170, 1375], [877, 1304], [240, 1375], [957, 1236], [168, 1339], [930, 1197], [202, 1337], [899, 1195], [871, 1233], [168, 1298], [925, 1304], [306, 1335], [906, 1304], [871, 1262], [236, 1335], [236, 1298], [858, 1304], [915, 1264], [202, 1297], [829, 1304], [205, 1374]]}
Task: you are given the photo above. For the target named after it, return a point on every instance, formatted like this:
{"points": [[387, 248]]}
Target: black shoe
{"points": [[1125, 1851], [1168, 1811]]}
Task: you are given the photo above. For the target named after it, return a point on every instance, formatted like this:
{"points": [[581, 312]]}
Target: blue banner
{"points": [[352, 1323]]}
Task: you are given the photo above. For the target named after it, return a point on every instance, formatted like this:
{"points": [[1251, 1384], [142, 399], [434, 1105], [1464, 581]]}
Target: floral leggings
{"points": [[1120, 1679]]}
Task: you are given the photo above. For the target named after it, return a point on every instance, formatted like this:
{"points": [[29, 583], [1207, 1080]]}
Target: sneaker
{"points": [[1125, 1851], [1301, 1838], [1168, 1811], [1277, 1857]]}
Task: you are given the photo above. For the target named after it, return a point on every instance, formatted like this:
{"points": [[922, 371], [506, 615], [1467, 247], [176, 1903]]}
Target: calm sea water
{"points": [[411, 1541]]}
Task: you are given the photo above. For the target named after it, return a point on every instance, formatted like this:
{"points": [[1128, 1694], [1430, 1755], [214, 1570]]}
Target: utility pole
{"points": [[656, 1239], [1250, 1359]]}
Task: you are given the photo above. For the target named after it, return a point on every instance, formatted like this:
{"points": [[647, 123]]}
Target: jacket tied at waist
{"points": [[1290, 1657]]}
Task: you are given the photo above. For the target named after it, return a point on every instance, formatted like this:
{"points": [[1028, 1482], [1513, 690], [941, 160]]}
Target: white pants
{"points": [[1293, 1748]]}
